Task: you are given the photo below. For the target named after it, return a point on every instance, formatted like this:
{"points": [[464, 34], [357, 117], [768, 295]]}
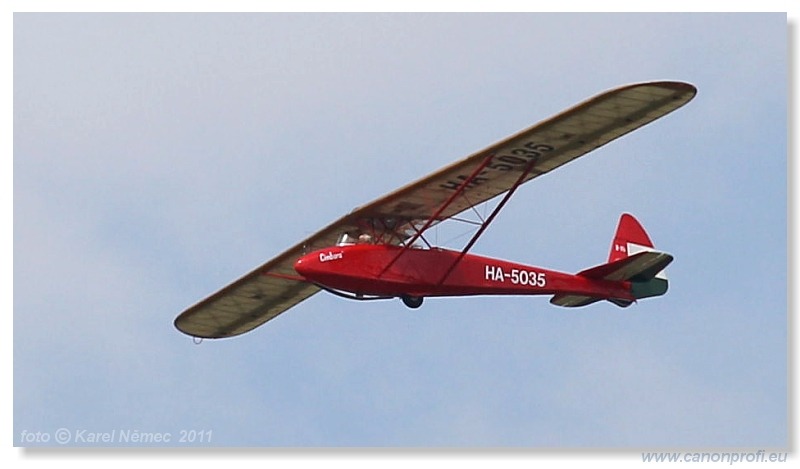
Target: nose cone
{"points": [[319, 265], [303, 266]]}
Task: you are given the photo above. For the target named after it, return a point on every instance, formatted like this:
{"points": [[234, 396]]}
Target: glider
{"points": [[379, 250]]}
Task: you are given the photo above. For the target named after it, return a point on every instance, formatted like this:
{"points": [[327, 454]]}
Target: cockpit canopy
{"points": [[346, 239]]}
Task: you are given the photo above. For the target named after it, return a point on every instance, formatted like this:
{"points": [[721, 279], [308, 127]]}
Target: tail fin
{"points": [[632, 258], [630, 238]]}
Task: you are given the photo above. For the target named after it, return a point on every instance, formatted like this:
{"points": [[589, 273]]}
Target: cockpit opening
{"points": [[347, 239]]}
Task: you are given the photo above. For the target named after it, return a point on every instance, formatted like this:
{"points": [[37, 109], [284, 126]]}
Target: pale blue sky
{"points": [[159, 157]]}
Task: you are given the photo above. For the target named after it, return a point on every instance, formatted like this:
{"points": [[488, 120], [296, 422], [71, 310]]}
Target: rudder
{"points": [[632, 258], [629, 239]]}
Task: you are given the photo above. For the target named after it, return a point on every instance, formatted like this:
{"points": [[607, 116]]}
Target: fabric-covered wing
{"points": [[247, 303], [261, 294], [546, 145], [274, 287]]}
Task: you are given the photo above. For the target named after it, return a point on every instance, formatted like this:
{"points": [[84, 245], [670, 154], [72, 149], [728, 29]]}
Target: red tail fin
{"points": [[632, 259], [629, 239]]}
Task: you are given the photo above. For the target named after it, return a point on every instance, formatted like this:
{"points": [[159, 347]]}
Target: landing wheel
{"points": [[412, 302]]}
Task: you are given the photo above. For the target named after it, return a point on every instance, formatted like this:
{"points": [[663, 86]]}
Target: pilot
{"points": [[364, 238]]}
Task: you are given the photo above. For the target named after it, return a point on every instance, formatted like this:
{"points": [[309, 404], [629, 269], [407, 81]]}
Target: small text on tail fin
{"points": [[629, 239]]}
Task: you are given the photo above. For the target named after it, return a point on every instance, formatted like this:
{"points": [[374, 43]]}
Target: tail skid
{"points": [[632, 258]]}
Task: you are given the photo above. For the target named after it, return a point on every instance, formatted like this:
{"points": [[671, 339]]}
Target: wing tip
{"points": [[686, 91]]}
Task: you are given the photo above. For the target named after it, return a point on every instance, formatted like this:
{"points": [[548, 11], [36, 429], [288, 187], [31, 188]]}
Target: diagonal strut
{"points": [[489, 219], [459, 190]]}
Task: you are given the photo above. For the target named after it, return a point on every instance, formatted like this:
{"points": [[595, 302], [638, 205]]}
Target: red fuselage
{"points": [[385, 270]]}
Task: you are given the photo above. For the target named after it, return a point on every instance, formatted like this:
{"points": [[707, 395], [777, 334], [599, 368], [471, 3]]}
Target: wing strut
{"points": [[490, 218], [459, 190]]}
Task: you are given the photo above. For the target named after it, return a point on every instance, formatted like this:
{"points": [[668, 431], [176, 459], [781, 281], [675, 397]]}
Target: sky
{"points": [[157, 157]]}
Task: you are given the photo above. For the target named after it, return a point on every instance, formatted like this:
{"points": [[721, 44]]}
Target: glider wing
{"points": [[275, 287]]}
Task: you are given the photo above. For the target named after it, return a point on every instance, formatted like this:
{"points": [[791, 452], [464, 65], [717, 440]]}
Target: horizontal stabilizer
{"points": [[573, 301], [644, 270], [639, 267], [632, 259]]}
